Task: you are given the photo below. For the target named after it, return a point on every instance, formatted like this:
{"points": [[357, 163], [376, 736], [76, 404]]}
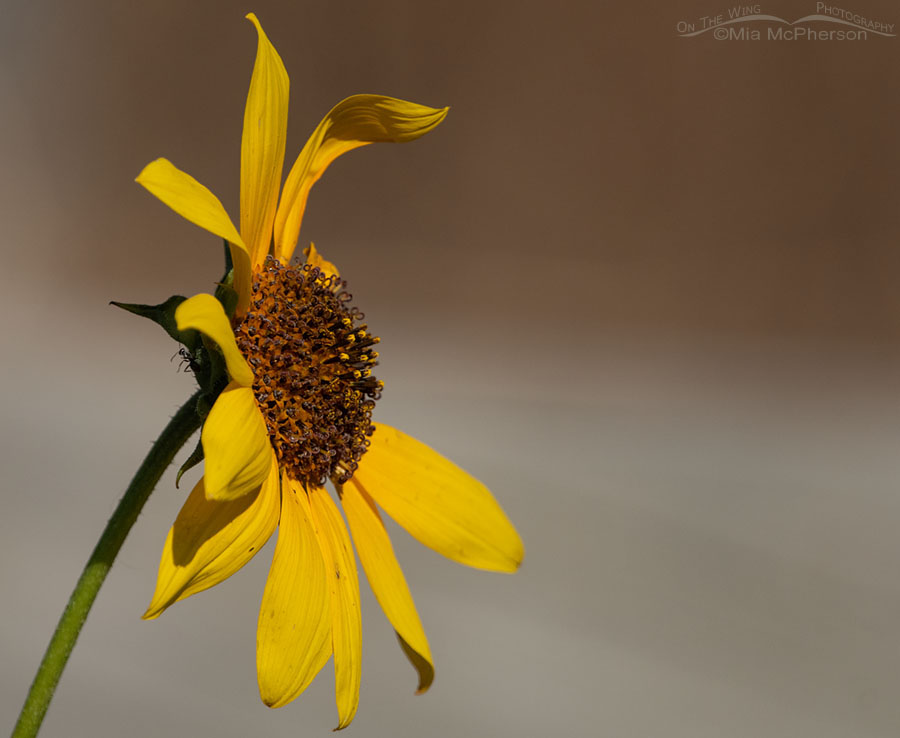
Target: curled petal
{"points": [[386, 578], [354, 122], [314, 258], [211, 540], [205, 313], [191, 200], [346, 624], [438, 503], [293, 639], [262, 146], [235, 445]]}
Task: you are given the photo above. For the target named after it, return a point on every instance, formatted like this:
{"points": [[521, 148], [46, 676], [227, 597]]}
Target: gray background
{"points": [[643, 286]]}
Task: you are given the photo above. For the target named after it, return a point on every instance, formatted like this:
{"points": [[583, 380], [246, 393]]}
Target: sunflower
{"points": [[295, 412]]}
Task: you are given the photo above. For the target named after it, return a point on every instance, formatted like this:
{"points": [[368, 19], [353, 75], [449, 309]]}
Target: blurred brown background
{"points": [[643, 286]]}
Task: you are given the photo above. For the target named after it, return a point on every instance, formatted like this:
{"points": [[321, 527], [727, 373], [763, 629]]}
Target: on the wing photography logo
{"points": [[750, 23]]}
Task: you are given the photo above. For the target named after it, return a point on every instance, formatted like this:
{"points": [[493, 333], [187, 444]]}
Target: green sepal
{"points": [[215, 376], [225, 292], [227, 295], [164, 316], [214, 381], [195, 458], [206, 360], [229, 264], [205, 403]]}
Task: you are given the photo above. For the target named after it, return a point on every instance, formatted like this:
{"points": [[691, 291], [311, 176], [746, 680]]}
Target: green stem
{"points": [[176, 433]]}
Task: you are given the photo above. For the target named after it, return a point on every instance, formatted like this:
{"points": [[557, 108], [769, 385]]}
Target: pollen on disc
{"points": [[312, 358]]}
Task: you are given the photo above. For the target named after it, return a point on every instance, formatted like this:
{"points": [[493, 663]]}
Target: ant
{"points": [[188, 363]]}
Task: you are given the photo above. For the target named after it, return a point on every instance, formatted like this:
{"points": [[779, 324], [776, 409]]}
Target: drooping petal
{"points": [[346, 623], [205, 313], [293, 639], [262, 146], [191, 200], [354, 122], [425, 667], [236, 445], [386, 578], [440, 505], [314, 258], [211, 540]]}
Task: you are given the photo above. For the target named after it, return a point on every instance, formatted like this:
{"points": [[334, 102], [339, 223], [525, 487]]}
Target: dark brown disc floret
{"points": [[312, 359]]}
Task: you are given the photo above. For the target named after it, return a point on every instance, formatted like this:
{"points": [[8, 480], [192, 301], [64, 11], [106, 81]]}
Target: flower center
{"points": [[312, 361]]}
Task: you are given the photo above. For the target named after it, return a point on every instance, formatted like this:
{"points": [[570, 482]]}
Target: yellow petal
{"points": [[191, 200], [211, 540], [293, 639], [388, 583], [314, 258], [438, 503], [205, 313], [235, 445], [354, 122], [346, 624], [425, 667], [262, 146]]}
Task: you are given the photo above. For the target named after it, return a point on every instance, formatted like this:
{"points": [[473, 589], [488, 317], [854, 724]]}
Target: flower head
{"points": [[287, 362]]}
